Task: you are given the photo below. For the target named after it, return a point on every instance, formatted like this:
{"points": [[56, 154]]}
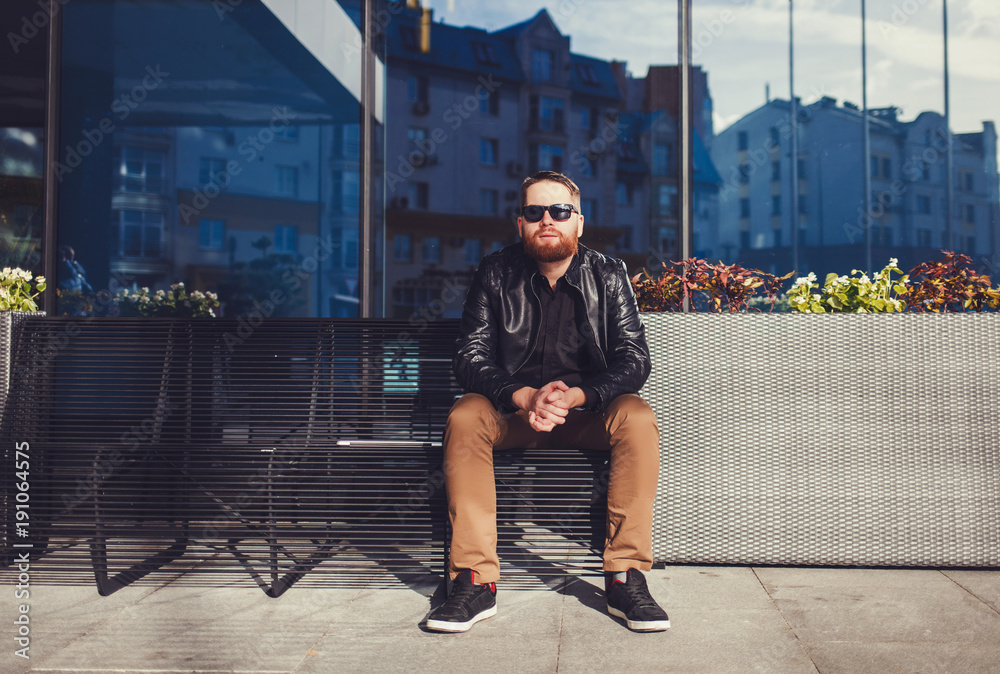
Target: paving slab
{"points": [[875, 620], [984, 585], [721, 621]]}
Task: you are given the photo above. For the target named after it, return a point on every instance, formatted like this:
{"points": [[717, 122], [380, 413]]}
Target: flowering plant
{"points": [[173, 303], [16, 291], [851, 294]]}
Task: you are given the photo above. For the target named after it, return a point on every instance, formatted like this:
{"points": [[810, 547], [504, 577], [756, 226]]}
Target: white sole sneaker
{"points": [[641, 625], [448, 626]]}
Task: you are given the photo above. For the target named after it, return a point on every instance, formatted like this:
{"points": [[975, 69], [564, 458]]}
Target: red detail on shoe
{"points": [[492, 586], [472, 576]]}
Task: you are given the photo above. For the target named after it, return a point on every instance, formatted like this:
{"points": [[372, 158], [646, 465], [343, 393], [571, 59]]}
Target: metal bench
{"points": [[281, 449]]}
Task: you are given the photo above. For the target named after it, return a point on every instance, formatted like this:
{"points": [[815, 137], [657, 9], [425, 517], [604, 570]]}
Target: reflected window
{"points": [[410, 38], [624, 194], [489, 103], [970, 214], [140, 233], [744, 207], [924, 238], [208, 168], [548, 157], [419, 195], [541, 65], [924, 205], [432, 249], [548, 114], [287, 134], [667, 202], [211, 234], [346, 197], [661, 159], [588, 209], [473, 251], [402, 248], [776, 170], [286, 181], [485, 54], [286, 239], [350, 135], [140, 170], [742, 141], [416, 88], [488, 150], [776, 204], [587, 75], [488, 201]]}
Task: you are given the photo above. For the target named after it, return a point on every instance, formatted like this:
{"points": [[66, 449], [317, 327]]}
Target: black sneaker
{"points": [[468, 603], [631, 600]]}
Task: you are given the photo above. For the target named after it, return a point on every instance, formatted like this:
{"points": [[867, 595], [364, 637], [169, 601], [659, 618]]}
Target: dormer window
{"points": [[541, 65], [587, 74], [410, 39], [485, 54]]}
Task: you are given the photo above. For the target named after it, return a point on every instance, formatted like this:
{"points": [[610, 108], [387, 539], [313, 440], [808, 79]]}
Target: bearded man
{"points": [[551, 353]]}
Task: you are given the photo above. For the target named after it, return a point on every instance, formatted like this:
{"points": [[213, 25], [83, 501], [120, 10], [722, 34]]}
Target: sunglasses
{"points": [[559, 212]]}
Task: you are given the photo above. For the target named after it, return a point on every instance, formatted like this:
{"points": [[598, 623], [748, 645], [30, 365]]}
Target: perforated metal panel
{"points": [[827, 439]]}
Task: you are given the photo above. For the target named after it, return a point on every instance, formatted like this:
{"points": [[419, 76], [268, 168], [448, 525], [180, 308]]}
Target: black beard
{"points": [[538, 252]]}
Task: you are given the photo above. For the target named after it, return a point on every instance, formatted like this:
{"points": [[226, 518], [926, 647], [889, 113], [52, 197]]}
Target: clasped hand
{"points": [[548, 406]]}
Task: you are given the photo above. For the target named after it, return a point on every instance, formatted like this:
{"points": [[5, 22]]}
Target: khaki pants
{"points": [[475, 429]]}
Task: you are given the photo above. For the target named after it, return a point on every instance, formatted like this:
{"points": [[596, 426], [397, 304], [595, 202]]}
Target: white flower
{"points": [[893, 262], [160, 294], [864, 278], [197, 295]]}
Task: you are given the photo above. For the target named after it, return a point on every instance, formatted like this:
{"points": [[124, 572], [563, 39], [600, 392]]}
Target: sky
{"points": [[743, 46]]}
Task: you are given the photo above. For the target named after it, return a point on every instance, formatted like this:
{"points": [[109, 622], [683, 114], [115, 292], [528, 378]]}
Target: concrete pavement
{"points": [[725, 619]]}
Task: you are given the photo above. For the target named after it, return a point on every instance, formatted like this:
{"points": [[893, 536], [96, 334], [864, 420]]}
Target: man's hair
{"points": [[66, 252], [552, 177]]}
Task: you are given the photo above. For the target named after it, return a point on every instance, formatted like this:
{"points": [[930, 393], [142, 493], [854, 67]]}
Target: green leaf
{"points": [[830, 278]]}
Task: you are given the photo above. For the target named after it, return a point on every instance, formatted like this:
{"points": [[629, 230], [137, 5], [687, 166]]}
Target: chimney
{"points": [[425, 30]]}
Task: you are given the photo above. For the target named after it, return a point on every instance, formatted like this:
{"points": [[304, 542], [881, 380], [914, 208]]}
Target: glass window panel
{"points": [[275, 157], [553, 64], [908, 139]]}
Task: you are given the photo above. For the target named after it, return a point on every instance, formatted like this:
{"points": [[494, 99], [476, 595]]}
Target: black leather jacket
{"points": [[502, 316]]}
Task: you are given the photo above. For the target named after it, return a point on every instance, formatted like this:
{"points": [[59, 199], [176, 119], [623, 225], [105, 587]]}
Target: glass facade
{"points": [[25, 27], [220, 143]]}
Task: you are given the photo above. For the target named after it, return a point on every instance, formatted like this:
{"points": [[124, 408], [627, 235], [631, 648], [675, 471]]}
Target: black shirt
{"points": [[561, 350]]}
